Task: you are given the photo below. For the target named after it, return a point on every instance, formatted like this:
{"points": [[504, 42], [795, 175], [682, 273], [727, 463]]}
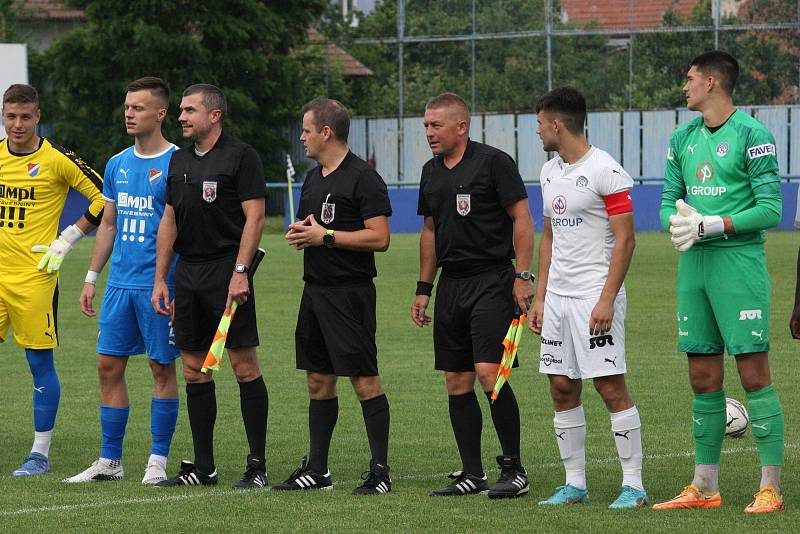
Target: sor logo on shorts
{"points": [[463, 205], [722, 149], [749, 315], [600, 341], [209, 191], [549, 359], [559, 205], [328, 210], [704, 172], [582, 182]]}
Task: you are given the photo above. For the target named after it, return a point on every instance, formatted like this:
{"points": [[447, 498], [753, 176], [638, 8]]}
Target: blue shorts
{"points": [[129, 326]]}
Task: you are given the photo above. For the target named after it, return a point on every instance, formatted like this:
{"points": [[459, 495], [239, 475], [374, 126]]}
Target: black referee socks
{"points": [[376, 419], [322, 417], [254, 401], [201, 404], [467, 422], [505, 415]]}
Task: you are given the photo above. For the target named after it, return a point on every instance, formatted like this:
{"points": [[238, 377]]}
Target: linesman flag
{"points": [[215, 353], [289, 181], [510, 345]]}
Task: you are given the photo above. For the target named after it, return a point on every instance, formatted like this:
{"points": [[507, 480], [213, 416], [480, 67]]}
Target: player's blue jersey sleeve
{"points": [[108, 178]]}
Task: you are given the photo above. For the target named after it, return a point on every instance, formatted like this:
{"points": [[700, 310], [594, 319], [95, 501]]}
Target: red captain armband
{"points": [[617, 203]]}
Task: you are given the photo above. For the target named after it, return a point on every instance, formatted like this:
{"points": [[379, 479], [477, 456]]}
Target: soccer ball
{"points": [[736, 419]]}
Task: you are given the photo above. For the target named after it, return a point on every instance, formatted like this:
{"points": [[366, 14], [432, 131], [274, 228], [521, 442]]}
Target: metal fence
{"points": [[637, 139]]}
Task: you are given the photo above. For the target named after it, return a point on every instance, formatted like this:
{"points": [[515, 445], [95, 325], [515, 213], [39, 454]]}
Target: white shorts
{"points": [[567, 346]]}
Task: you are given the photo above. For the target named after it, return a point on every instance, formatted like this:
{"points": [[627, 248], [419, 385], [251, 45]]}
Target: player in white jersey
{"points": [[584, 253], [135, 191]]}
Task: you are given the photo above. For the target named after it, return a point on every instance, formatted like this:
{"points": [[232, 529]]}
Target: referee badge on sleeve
{"points": [[328, 210], [463, 205], [209, 191]]}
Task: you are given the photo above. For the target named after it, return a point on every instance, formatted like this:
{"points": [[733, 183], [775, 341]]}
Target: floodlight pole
{"points": [[401, 30], [630, 54], [472, 78], [548, 23]]}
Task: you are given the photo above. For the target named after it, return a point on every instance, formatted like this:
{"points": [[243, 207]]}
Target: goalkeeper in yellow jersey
{"points": [[35, 176]]}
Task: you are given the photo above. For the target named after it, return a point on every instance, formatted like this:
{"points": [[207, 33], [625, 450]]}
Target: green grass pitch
{"points": [[422, 449]]}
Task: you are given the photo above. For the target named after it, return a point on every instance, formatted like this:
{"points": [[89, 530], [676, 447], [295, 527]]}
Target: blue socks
{"points": [[163, 416], [112, 424], [46, 388]]}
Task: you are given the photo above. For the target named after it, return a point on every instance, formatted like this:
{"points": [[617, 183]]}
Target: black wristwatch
{"points": [[241, 268], [329, 238], [524, 275]]}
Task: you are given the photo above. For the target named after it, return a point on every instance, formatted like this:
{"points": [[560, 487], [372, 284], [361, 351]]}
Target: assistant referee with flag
{"points": [[213, 219], [476, 219]]}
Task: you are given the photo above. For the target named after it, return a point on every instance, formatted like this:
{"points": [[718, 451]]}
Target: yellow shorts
{"points": [[28, 303]]}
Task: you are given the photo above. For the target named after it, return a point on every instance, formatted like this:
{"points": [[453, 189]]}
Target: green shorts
{"points": [[723, 300]]}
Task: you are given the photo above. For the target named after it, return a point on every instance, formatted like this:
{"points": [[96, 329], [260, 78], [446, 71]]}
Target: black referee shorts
{"points": [[201, 290], [335, 331], [471, 318]]}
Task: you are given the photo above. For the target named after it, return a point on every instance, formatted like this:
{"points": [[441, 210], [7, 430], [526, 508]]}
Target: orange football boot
{"points": [[691, 497], [766, 500]]}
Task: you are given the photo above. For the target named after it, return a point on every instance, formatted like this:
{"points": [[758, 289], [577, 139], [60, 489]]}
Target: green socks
{"points": [[766, 420], [708, 426]]}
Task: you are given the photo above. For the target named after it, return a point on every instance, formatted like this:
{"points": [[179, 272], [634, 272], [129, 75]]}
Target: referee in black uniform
{"points": [[476, 216], [213, 219], [344, 211]]}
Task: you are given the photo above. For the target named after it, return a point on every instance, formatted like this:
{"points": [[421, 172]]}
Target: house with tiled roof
{"points": [[640, 14], [40, 22], [43, 21]]}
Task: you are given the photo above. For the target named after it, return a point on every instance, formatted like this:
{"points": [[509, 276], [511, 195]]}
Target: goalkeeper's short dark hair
{"points": [[21, 93], [568, 103], [721, 65]]}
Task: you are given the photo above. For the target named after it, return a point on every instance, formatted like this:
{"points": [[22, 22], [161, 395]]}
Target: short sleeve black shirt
{"points": [[207, 192], [342, 200], [468, 205]]}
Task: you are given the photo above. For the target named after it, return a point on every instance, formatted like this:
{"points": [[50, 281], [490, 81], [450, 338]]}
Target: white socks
{"points": [[157, 459], [706, 477], [627, 429], [771, 476], [41, 442], [570, 428]]}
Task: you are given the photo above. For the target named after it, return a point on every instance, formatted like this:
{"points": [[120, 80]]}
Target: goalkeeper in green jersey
{"points": [[724, 165]]}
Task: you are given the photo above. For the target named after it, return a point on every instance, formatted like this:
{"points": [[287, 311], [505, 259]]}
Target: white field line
{"points": [[223, 493]]}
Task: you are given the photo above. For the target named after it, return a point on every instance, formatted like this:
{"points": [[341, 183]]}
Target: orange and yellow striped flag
{"points": [[217, 349], [510, 346]]}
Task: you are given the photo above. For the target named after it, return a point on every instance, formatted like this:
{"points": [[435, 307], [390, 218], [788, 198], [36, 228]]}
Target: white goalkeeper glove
{"points": [[54, 254], [687, 226]]}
